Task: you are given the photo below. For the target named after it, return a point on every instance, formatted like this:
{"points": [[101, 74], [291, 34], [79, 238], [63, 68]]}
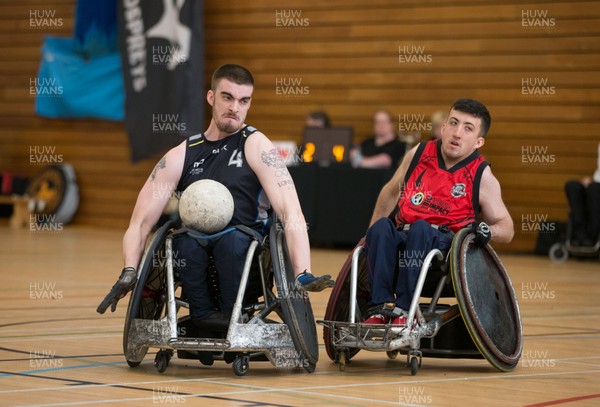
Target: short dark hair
{"points": [[232, 72], [321, 116], [386, 112], [476, 109]]}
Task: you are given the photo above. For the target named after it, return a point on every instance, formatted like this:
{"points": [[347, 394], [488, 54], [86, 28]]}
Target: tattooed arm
{"points": [[151, 202], [274, 177]]}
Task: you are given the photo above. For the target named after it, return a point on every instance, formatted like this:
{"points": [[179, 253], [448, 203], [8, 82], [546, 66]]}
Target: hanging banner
{"points": [[162, 50]]}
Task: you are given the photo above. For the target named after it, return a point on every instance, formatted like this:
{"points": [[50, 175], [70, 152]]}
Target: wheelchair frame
{"points": [[257, 339], [559, 252], [345, 338]]}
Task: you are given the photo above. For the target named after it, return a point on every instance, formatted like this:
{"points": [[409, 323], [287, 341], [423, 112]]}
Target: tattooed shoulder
{"points": [[272, 158], [162, 163]]}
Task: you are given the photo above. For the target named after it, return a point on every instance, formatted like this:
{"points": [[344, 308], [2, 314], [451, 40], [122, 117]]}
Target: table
{"points": [[337, 200]]}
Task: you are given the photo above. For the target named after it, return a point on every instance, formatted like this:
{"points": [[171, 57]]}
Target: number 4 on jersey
{"points": [[236, 159]]}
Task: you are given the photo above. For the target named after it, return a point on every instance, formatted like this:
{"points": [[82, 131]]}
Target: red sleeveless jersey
{"points": [[437, 195]]}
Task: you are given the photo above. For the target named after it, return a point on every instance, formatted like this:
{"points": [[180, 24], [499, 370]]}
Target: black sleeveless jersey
{"points": [[224, 161]]}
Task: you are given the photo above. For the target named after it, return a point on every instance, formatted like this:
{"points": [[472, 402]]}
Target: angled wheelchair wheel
{"points": [[487, 301], [295, 305], [148, 298], [338, 306]]}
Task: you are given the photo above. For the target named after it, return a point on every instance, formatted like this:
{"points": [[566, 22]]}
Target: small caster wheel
{"points": [[161, 361], [342, 361], [241, 365], [414, 366], [133, 364], [392, 354], [558, 253]]}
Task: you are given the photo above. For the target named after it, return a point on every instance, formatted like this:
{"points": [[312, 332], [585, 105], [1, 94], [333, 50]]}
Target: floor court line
{"points": [[120, 326], [59, 337], [564, 401], [350, 385], [307, 390]]}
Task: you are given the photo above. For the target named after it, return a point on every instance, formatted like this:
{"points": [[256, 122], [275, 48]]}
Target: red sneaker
{"points": [[377, 319], [401, 320]]}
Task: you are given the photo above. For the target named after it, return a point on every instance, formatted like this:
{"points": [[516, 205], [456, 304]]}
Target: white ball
{"points": [[206, 205]]}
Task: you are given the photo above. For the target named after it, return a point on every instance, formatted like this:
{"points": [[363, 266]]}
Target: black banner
{"points": [[162, 48]]}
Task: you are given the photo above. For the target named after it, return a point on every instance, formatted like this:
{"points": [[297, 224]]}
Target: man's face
{"points": [[230, 103], [460, 135], [382, 125]]}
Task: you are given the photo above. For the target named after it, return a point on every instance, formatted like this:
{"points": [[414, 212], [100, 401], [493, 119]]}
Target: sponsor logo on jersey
{"points": [[417, 199], [197, 167], [459, 190]]}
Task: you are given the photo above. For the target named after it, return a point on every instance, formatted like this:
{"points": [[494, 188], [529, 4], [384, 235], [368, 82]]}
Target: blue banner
{"points": [[81, 77]]}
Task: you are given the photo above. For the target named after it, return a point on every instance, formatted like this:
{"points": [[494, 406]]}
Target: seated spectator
{"points": [[384, 149], [584, 201], [438, 118], [318, 119]]}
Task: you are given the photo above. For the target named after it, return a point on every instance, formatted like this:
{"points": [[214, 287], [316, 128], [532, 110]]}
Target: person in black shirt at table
{"points": [[318, 119], [384, 149]]}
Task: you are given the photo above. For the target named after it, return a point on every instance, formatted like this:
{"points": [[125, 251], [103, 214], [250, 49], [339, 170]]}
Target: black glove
{"points": [[123, 285], [483, 234]]}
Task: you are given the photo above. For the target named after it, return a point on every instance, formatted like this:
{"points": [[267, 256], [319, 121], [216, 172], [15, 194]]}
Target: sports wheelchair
{"points": [[559, 252], [152, 319], [490, 326]]}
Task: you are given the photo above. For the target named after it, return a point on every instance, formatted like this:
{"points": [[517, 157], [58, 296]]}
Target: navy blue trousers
{"points": [[385, 260], [191, 261]]}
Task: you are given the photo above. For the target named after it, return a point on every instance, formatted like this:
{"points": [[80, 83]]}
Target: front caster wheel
{"points": [[414, 366], [342, 361], [241, 365], [161, 361]]}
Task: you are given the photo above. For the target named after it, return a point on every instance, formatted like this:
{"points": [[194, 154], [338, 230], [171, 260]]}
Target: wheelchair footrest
{"points": [[373, 337]]}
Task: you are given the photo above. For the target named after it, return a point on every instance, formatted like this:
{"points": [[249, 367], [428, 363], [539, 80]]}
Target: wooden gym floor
{"points": [[55, 350]]}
